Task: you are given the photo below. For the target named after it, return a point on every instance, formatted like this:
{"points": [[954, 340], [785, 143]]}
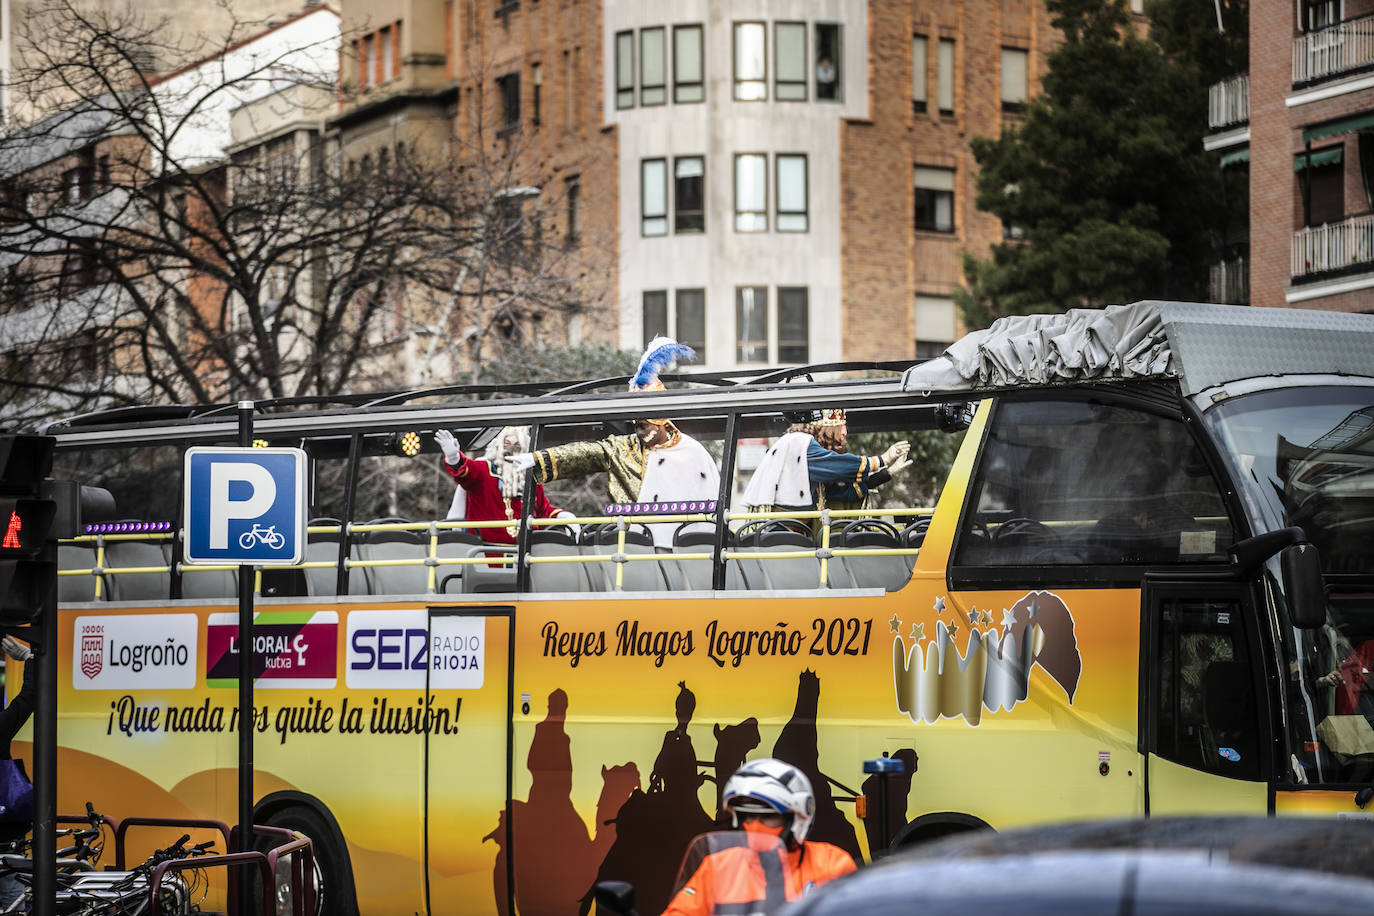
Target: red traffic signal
{"points": [[25, 524]]}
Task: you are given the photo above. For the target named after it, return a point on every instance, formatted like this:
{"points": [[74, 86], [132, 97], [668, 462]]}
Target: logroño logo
{"points": [[92, 649], [135, 652]]}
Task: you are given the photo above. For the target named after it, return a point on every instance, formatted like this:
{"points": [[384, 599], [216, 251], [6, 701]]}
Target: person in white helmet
{"points": [[771, 797]]}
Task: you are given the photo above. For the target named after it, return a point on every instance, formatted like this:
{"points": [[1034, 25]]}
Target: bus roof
{"points": [[1200, 345]]}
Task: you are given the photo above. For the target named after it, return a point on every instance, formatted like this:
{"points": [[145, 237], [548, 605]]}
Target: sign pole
{"points": [[246, 718]]}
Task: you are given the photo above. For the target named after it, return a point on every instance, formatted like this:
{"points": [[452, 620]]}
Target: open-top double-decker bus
{"points": [[1098, 597]]}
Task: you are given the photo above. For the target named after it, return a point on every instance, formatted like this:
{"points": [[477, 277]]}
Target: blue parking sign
{"points": [[245, 505]]}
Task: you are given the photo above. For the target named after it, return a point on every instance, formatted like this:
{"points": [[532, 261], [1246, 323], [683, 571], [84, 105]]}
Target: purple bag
{"points": [[16, 793]]}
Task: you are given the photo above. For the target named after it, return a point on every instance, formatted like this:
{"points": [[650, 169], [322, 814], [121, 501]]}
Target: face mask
{"points": [[759, 827]]}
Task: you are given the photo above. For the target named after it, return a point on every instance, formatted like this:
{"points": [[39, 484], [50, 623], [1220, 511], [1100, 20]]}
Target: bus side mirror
{"points": [[1303, 586], [616, 896]]}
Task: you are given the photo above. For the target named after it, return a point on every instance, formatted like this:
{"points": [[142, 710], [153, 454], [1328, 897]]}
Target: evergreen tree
{"points": [[1104, 183]]}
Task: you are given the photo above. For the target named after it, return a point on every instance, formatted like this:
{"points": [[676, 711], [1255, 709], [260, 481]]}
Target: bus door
{"points": [[467, 760], [1204, 703]]}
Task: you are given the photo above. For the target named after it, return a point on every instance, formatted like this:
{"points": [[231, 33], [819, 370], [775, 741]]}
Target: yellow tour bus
{"points": [[1130, 572]]}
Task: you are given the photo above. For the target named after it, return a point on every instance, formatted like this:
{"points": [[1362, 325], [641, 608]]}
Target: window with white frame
{"points": [[1015, 63], [935, 325], [689, 194], [624, 70], [944, 89], [751, 62], [934, 199], [388, 54], [751, 324], [653, 196], [653, 67], [829, 54], [918, 72], [789, 61], [793, 325], [751, 192], [690, 319], [655, 314], [791, 192], [688, 84], [683, 317]]}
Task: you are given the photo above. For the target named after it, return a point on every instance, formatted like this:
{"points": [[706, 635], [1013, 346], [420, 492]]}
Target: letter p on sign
{"points": [[245, 505]]}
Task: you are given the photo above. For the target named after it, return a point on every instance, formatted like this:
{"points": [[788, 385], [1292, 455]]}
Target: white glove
{"points": [[453, 455], [523, 461], [575, 529], [901, 464], [896, 450], [16, 649]]}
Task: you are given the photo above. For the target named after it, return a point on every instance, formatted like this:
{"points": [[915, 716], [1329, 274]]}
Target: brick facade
{"points": [[886, 261]]}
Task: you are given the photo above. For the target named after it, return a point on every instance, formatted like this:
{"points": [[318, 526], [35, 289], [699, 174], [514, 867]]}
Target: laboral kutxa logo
{"points": [[138, 651], [299, 650]]}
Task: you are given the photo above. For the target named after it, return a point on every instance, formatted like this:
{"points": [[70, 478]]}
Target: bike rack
{"points": [[297, 846]]}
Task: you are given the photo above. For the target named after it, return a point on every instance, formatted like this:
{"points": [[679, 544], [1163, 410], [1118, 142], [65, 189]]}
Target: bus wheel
{"points": [[334, 892], [930, 827]]}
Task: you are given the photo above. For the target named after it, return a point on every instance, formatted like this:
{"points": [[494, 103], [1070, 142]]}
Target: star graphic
{"points": [[940, 605], [953, 631], [895, 623], [1034, 610], [918, 631], [1008, 617], [973, 617]]}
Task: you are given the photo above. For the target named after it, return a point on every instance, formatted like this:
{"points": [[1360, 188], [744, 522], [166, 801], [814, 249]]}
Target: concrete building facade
{"points": [[771, 181]]}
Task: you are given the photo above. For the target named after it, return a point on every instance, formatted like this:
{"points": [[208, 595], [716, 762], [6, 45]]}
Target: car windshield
{"points": [[1305, 457]]}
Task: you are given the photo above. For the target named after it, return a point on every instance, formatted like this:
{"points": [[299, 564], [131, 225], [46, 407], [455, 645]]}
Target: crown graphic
{"points": [[932, 679]]}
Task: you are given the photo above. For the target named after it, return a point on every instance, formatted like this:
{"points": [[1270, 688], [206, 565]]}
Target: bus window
{"points": [[1205, 711], [1091, 484], [657, 503], [867, 506], [1331, 684]]}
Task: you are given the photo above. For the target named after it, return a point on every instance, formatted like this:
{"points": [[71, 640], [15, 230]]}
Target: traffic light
{"points": [[28, 546]]}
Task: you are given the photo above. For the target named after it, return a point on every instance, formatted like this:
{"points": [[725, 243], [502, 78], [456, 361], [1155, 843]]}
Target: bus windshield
{"points": [[1305, 457]]}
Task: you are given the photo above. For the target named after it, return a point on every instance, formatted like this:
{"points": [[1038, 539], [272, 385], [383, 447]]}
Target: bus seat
{"points": [[694, 537], [394, 545], [459, 543], [324, 548], [888, 573], [779, 536], [76, 588], [137, 586], [557, 578], [637, 576], [914, 535], [208, 583]]}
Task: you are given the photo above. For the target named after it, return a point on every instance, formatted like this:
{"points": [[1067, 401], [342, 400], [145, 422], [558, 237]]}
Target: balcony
{"points": [[1228, 282], [1343, 247], [1345, 47], [1228, 102]]}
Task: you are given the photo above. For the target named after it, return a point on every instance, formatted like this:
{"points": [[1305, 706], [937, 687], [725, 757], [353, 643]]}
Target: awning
{"points": [[1343, 126], [1233, 158], [1329, 156]]}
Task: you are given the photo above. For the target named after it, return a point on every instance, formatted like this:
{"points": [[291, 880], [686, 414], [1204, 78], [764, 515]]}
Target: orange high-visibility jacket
{"points": [[740, 880]]}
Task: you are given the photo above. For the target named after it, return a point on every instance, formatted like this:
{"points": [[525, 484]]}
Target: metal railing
{"points": [[1341, 48], [1228, 282], [1228, 102], [1334, 246], [437, 555]]}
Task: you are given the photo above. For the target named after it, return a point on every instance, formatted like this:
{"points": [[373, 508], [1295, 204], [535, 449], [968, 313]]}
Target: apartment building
{"points": [[770, 181], [1301, 122]]}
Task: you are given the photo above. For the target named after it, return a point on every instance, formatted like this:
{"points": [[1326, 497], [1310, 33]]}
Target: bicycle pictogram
{"points": [[269, 536]]}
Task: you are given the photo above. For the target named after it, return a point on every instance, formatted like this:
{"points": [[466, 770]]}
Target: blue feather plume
{"points": [[661, 353]]}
